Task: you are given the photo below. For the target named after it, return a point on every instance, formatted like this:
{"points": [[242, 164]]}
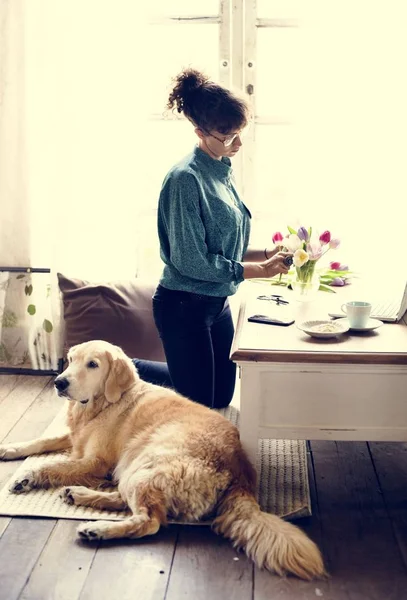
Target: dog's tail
{"points": [[269, 541]]}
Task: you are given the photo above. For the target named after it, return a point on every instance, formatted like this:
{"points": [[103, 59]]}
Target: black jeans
{"points": [[197, 333]]}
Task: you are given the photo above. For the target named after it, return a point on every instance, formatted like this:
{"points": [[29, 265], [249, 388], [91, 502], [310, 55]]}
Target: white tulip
{"points": [[300, 257], [292, 242]]}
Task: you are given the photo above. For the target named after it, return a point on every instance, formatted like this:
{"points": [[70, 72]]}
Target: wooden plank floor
{"points": [[359, 495]]}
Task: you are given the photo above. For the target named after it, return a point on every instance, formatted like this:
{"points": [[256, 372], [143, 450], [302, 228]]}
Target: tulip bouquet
{"points": [[307, 252]]}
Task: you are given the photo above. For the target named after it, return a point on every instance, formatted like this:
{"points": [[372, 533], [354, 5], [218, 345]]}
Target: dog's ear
{"points": [[121, 376], [71, 351]]}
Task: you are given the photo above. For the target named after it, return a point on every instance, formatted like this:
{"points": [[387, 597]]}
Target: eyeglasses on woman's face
{"points": [[228, 141]]}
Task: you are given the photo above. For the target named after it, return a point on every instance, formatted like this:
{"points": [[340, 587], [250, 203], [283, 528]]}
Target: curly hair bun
{"points": [[186, 83], [206, 104], [191, 80]]}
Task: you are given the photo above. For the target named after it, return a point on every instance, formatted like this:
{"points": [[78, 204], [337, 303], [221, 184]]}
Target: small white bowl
{"points": [[324, 328]]}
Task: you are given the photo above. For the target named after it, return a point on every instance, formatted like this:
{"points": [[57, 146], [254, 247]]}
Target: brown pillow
{"points": [[119, 312]]}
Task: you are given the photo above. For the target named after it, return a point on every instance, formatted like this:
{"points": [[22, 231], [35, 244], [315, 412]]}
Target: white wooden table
{"points": [[297, 387]]}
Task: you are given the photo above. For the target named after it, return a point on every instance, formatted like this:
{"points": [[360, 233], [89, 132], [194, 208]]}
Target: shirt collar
{"points": [[220, 168]]}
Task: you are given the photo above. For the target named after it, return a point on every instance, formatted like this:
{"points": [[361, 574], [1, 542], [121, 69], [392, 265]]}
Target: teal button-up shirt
{"points": [[203, 227]]}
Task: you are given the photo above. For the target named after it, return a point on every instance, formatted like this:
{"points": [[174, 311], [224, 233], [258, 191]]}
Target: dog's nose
{"points": [[61, 384]]}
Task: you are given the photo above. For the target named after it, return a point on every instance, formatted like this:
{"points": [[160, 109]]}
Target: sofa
{"points": [[119, 312]]}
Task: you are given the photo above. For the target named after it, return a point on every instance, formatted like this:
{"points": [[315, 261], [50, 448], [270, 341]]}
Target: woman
{"points": [[204, 229]]}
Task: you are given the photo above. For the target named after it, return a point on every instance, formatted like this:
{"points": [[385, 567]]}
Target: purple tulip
{"points": [[303, 234], [338, 282]]}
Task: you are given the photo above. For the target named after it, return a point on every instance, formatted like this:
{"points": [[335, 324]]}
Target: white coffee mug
{"points": [[358, 313]]}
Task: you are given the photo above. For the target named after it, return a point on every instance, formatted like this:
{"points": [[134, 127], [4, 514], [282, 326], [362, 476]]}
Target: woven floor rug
{"points": [[281, 464]]}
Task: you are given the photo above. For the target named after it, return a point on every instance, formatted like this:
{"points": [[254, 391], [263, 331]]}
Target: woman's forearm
{"points": [[259, 254], [252, 270], [276, 264]]}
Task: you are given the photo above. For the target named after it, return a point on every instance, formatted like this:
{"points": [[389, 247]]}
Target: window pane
{"points": [[303, 179], [182, 46], [275, 169], [280, 9], [148, 261], [278, 68], [184, 7], [166, 143], [286, 194]]}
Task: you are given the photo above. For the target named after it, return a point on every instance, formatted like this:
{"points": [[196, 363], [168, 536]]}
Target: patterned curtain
{"points": [[29, 300], [28, 335]]}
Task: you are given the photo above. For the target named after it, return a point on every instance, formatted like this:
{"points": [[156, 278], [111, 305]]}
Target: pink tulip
{"points": [[335, 266], [325, 237], [277, 237], [334, 243]]}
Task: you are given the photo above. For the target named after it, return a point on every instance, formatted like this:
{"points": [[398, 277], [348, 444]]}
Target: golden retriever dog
{"points": [[169, 456]]}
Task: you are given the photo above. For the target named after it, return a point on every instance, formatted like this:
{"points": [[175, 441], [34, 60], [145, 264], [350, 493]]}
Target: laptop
{"points": [[389, 310]]}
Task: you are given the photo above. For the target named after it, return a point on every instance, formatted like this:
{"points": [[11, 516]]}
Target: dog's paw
{"points": [[73, 494], [9, 452], [66, 495], [24, 484], [94, 530]]}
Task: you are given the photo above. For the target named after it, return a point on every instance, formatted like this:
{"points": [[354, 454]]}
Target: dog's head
{"points": [[96, 369]]}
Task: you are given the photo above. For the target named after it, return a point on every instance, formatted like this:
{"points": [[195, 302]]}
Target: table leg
{"points": [[250, 411]]}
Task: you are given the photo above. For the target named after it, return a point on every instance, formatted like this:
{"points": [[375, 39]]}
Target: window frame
{"points": [[229, 18], [238, 26], [252, 24]]}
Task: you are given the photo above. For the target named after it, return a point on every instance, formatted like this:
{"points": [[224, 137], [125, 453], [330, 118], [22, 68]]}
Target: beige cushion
{"points": [[119, 312]]}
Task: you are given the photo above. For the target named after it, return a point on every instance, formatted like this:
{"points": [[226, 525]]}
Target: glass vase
{"points": [[305, 283]]}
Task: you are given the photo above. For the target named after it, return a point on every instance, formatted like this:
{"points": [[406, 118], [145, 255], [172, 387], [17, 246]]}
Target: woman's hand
{"points": [[268, 268], [272, 252], [275, 265]]}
